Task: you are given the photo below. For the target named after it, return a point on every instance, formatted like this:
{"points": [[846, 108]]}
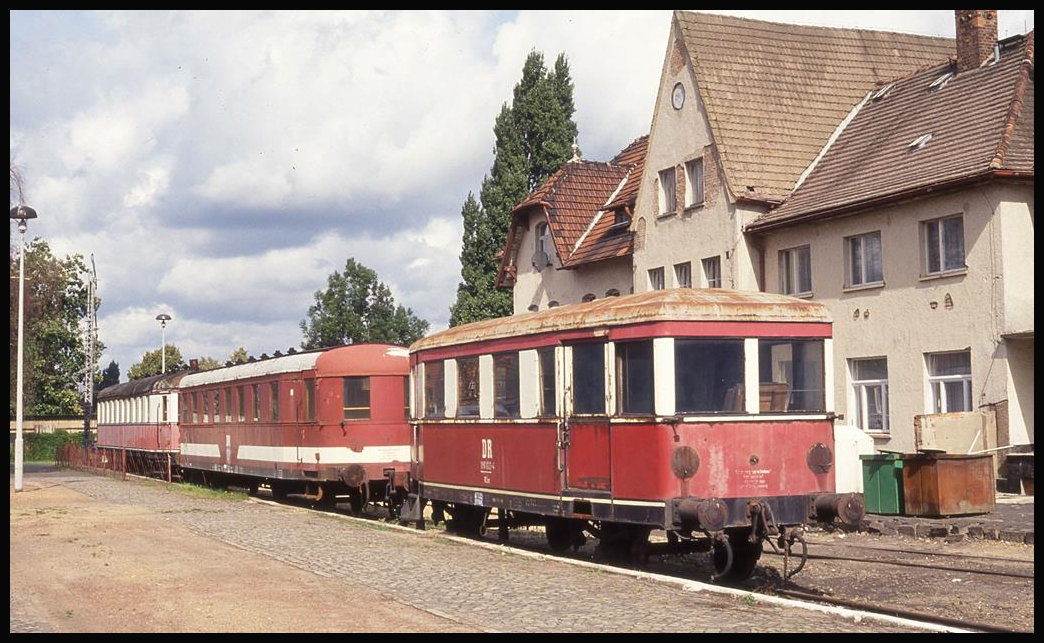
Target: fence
{"points": [[117, 462]]}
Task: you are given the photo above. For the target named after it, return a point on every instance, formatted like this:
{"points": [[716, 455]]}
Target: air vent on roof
{"points": [[920, 141], [940, 81], [879, 94]]}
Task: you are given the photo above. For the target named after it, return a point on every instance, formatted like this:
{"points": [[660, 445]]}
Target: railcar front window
{"points": [[505, 385], [589, 379], [434, 390], [356, 398], [634, 378], [547, 380], [468, 387], [708, 376], [791, 375]]}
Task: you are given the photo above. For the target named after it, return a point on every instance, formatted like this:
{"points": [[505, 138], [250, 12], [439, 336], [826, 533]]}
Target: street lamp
{"points": [[21, 214], [163, 318]]}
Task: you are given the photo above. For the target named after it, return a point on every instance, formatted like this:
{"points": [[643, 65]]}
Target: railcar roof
{"points": [[675, 304], [142, 385]]}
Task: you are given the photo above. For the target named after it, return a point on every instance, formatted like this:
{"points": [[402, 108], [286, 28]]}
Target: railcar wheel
{"points": [[563, 533], [744, 555], [279, 490], [356, 502], [466, 520]]}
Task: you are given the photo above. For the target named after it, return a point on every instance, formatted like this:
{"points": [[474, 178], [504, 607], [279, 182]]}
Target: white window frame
{"points": [[694, 187], [862, 389], [790, 270], [940, 238], [939, 401], [656, 280], [857, 271], [711, 271], [668, 197]]}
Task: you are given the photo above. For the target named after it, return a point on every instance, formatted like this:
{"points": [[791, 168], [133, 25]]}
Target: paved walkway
{"points": [[481, 587], [1010, 521]]}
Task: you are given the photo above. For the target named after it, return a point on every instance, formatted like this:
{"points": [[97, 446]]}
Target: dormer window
{"points": [[621, 221]]}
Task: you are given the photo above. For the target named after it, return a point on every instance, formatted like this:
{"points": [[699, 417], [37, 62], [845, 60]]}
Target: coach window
{"points": [[273, 401], [241, 400], [791, 375], [356, 398], [546, 356], [434, 390], [406, 397], [309, 401], [255, 390], [194, 401], [634, 378], [228, 405], [505, 385], [588, 378], [708, 376], [205, 396], [468, 387], [217, 411]]}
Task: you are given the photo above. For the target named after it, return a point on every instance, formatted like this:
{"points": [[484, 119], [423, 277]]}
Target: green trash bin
{"points": [[883, 483]]}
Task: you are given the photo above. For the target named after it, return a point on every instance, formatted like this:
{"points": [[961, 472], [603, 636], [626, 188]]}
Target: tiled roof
{"points": [[774, 93], [979, 120], [576, 201]]}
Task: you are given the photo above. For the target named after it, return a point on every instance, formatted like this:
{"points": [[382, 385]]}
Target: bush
{"points": [[41, 447]]}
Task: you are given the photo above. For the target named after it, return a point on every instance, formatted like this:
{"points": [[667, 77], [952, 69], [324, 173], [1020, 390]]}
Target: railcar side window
{"points": [[547, 380], [792, 375], [241, 398], [708, 375], [256, 390], [356, 398], [309, 401], [228, 405], [217, 403], [406, 397], [589, 379], [468, 387], [273, 401], [206, 406], [505, 385], [434, 390], [634, 377]]}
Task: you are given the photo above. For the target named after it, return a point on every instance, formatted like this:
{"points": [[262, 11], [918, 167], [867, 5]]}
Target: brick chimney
{"points": [[976, 36]]}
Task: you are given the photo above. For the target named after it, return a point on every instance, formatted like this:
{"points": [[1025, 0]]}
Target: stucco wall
{"points": [[910, 315]]}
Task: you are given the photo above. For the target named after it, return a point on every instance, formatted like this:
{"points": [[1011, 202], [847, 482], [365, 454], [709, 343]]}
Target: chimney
{"points": [[976, 36]]}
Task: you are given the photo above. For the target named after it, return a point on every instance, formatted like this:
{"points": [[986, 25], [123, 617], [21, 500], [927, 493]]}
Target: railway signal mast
{"points": [[92, 337]]}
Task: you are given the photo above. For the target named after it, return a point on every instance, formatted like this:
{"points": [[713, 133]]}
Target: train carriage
{"points": [[317, 424], [704, 413], [139, 420]]}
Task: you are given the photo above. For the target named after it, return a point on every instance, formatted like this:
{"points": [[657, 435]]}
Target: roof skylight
{"points": [[940, 81], [920, 141]]}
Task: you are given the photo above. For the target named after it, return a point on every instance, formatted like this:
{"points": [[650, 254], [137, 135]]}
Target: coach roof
{"points": [[677, 304]]}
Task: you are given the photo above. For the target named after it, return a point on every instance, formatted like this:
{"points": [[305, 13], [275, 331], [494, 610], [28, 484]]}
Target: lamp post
{"points": [[163, 318], [21, 214]]}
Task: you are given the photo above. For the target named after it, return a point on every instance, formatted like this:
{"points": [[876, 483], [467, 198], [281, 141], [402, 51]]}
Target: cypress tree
{"points": [[534, 136]]}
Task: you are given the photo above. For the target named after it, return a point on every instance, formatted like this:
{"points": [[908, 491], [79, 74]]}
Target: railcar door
{"points": [[585, 429]]}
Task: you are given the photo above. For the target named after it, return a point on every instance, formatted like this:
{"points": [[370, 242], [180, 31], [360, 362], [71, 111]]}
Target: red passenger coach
{"points": [[139, 419], [319, 424], [627, 414]]}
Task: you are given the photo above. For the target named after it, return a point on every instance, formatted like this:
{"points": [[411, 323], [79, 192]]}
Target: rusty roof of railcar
{"points": [[143, 385], [676, 304]]}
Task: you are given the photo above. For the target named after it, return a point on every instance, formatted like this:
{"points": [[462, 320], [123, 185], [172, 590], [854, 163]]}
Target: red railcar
{"points": [[628, 414], [140, 418], [320, 424]]}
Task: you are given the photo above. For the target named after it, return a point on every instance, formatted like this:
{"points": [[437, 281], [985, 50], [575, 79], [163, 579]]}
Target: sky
{"points": [[220, 165]]}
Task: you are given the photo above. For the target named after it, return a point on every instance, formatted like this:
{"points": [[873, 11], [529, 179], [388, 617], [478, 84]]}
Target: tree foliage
{"points": [[152, 363], [534, 136], [208, 363], [238, 356], [110, 376], [357, 308], [55, 351]]}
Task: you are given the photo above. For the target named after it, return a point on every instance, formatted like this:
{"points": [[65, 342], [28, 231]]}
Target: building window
{"points": [[792, 375], [546, 356], [870, 386], [621, 222], [505, 385], [943, 244], [949, 379], [712, 272], [708, 375], [656, 279], [542, 252], [588, 379], [863, 259], [468, 387], [683, 275], [668, 199], [795, 271], [694, 182], [434, 390], [634, 378], [356, 398]]}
